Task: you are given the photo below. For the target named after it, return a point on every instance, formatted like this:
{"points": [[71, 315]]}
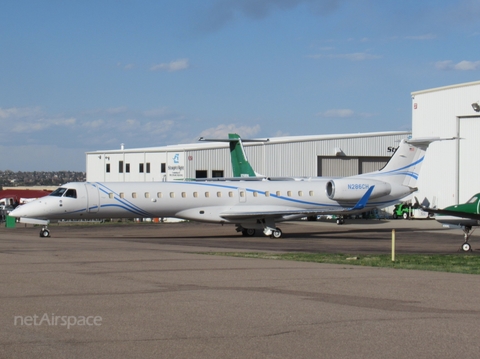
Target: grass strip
{"points": [[454, 263]]}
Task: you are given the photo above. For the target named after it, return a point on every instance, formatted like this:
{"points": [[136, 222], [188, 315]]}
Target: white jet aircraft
{"points": [[250, 205]]}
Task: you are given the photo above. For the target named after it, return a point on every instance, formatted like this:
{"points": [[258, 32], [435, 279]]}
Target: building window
{"points": [[140, 168], [107, 168], [127, 167], [217, 174], [201, 174], [163, 167], [148, 167], [120, 166]]}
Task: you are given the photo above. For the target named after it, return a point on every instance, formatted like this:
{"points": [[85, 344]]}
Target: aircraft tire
{"points": [[277, 233], [44, 233], [248, 232], [466, 247]]}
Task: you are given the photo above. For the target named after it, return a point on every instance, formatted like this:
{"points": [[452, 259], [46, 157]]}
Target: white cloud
{"points": [[461, 66], [15, 112], [173, 66], [222, 131], [337, 113], [41, 124], [422, 37]]}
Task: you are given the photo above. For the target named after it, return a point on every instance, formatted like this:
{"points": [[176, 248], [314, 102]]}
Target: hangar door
{"points": [[334, 166], [468, 158]]}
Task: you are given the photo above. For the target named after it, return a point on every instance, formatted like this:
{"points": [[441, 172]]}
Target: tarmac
{"points": [[151, 291]]}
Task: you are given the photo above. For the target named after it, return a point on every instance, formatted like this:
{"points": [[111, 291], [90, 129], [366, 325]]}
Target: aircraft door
{"points": [[93, 198]]}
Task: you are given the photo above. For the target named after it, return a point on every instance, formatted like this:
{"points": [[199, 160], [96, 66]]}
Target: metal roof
{"points": [[271, 140]]}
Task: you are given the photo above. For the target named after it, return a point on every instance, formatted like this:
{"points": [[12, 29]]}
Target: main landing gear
{"points": [[268, 231], [44, 232], [466, 247]]}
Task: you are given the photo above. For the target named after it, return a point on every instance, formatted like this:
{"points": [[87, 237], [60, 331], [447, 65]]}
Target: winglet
{"points": [[363, 201]]}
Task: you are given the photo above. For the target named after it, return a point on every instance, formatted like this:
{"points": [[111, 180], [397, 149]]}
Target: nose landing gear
{"points": [[44, 232]]}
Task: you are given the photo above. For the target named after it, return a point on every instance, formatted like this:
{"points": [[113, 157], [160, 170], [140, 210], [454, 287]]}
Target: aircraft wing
{"points": [[270, 212], [446, 212], [449, 212]]}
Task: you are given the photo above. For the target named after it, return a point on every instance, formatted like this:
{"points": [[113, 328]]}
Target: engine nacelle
{"points": [[345, 189]]}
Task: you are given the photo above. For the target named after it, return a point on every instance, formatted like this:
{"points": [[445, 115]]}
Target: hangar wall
{"points": [[280, 156], [450, 172]]}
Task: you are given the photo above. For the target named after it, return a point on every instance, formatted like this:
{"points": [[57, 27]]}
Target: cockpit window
{"points": [[58, 192], [472, 200], [71, 193], [64, 192]]}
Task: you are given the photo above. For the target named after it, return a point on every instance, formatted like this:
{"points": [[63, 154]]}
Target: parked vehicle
{"points": [[402, 210]]}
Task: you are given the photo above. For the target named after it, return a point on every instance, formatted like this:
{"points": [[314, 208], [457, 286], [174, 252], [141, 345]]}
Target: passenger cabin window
{"points": [[267, 193], [289, 193], [122, 195], [184, 194], [159, 194], [230, 194], [134, 195], [278, 193], [110, 195], [147, 194]]}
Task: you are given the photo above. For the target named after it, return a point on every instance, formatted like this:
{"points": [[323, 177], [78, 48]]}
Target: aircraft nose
{"points": [[29, 210]]}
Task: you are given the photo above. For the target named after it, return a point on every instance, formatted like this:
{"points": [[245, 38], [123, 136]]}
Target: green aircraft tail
{"points": [[240, 165]]}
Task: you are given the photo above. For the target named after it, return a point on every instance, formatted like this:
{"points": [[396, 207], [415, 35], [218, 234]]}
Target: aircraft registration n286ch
{"points": [[249, 204]]}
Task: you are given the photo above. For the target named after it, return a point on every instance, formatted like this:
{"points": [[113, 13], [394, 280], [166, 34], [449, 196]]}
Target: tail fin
{"points": [[404, 166], [240, 165]]}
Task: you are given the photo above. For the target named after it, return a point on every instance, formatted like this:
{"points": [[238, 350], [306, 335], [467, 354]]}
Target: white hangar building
{"points": [[311, 156], [451, 171]]}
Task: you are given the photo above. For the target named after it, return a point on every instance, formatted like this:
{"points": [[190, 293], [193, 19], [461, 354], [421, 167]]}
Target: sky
{"points": [[87, 75]]}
